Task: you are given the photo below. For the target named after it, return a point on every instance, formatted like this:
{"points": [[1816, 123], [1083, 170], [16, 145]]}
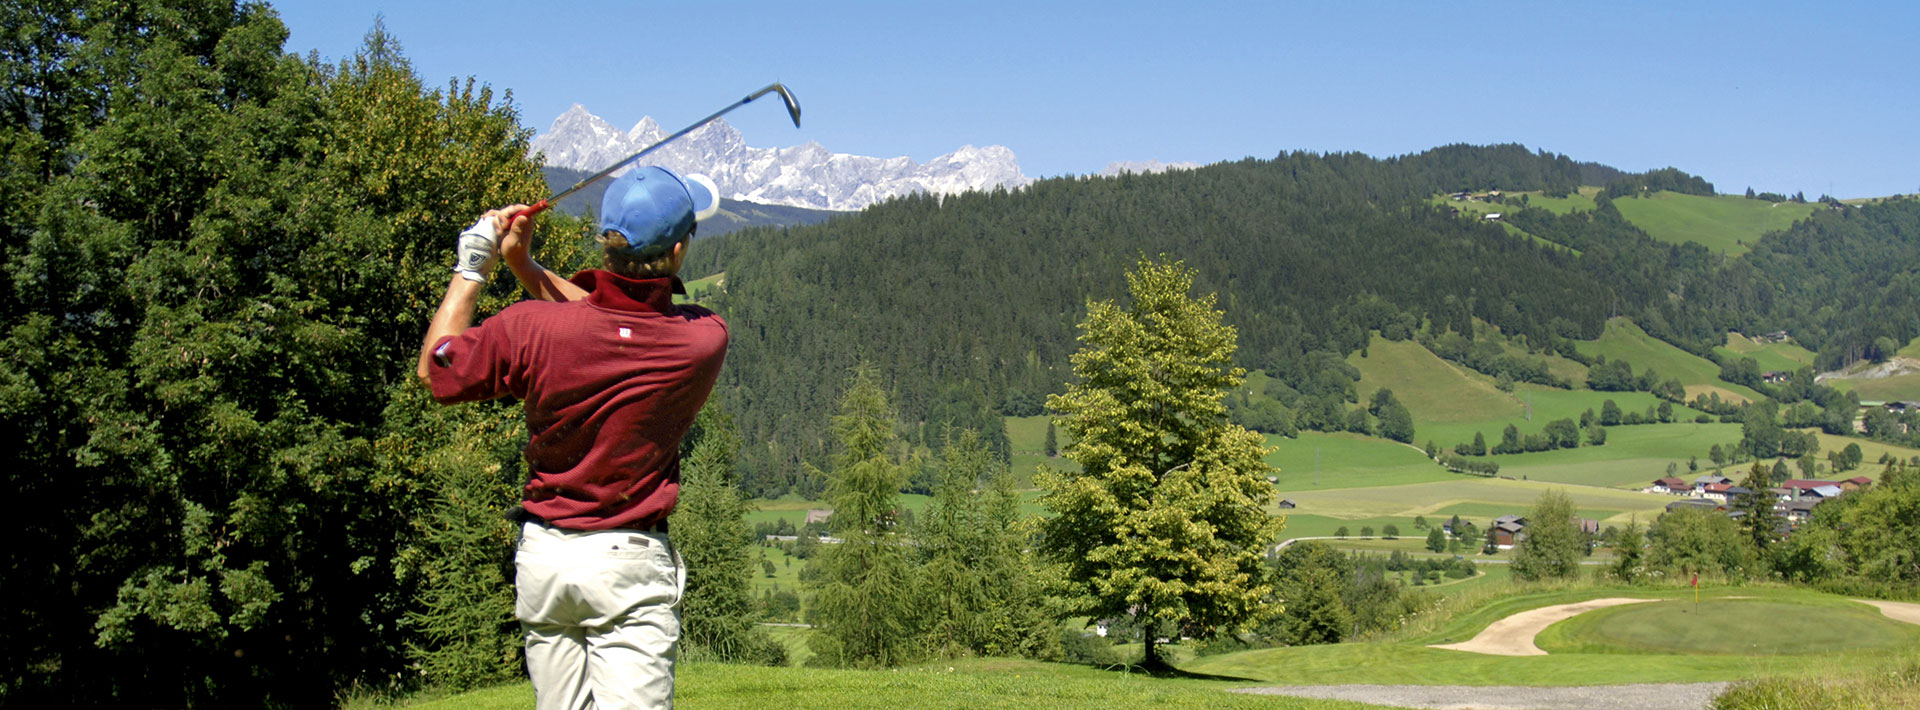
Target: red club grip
{"points": [[529, 212]]}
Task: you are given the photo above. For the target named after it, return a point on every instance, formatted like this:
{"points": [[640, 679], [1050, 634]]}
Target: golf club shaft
{"points": [[793, 111]]}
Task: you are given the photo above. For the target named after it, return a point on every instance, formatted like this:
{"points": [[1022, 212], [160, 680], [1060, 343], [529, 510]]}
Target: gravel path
{"points": [[1651, 696], [1513, 636]]}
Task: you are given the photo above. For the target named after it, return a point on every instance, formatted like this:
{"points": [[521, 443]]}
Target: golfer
{"points": [[611, 373]]}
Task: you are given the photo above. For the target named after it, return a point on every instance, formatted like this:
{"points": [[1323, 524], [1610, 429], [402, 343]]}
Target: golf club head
{"points": [[793, 105]]}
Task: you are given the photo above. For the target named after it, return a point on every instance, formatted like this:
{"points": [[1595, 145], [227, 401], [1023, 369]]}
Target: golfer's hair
{"points": [[656, 263]]}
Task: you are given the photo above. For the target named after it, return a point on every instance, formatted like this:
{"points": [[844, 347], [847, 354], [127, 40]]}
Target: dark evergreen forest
{"points": [[967, 303]]}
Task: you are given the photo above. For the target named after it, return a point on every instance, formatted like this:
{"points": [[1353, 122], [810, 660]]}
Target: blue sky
{"points": [[1814, 97]]}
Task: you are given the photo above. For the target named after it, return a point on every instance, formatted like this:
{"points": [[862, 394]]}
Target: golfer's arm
{"points": [[543, 284], [453, 318]]}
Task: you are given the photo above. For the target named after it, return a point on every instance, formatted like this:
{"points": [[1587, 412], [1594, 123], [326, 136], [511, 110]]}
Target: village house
{"points": [[1798, 510], [1508, 530], [1802, 487], [1670, 485], [1695, 503], [1709, 479], [1723, 492], [1856, 483], [1776, 376]]}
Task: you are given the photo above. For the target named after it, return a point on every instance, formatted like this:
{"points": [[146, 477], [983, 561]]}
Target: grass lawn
{"points": [[1400, 503], [1411, 661], [1632, 457], [966, 683], [1904, 388], [1785, 357], [1726, 626], [1728, 224], [1870, 452], [1323, 461]]}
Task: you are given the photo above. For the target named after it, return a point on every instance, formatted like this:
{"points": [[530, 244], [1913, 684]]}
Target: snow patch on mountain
{"points": [[806, 175]]}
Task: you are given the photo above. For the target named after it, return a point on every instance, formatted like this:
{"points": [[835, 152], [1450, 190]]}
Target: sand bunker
{"points": [[1897, 611], [1513, 636]]}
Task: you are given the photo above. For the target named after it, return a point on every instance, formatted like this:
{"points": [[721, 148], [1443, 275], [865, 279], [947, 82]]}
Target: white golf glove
{"points": [[478, 251]]}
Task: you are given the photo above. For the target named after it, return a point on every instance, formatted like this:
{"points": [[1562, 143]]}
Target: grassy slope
{"points": [[966, 683], [1624, 340], [1450, 403], [1632, 457], [1348, 461], [1886, 389], [1785, 357], [1727, 224]]}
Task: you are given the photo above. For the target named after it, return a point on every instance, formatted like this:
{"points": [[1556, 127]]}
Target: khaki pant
{"points": [[601, 611]]}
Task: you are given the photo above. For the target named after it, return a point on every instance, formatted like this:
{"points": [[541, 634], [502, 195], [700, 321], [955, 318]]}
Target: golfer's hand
{"points": [[476, 252], [515, 238]]}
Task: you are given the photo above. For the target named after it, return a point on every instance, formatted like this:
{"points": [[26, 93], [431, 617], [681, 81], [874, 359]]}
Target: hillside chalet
{"points": [[1508, 530], [1672, 486], [1724, 492]]}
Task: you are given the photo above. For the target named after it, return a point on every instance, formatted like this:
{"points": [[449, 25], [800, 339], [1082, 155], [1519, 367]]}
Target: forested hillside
{"points": [[966, 304]]}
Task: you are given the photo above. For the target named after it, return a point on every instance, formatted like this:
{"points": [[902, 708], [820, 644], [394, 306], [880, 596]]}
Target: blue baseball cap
{"points": [[654, 207]]}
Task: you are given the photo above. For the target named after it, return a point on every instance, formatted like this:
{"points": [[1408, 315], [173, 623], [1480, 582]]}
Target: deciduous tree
{"points": [[1165, 520]]}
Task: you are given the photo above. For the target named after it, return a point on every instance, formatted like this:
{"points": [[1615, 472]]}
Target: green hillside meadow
{"points": [[1623, 340], [1729, 224], [1783, 357]]}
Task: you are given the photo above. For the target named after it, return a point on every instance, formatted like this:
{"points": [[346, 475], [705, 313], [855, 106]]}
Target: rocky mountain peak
{"points": [[806, 175]]}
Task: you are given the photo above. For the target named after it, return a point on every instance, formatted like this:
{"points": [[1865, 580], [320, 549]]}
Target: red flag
{"points": [[1696, 579]]}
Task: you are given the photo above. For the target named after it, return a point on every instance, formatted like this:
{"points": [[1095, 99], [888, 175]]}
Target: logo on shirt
{"points": [[626, 332]]}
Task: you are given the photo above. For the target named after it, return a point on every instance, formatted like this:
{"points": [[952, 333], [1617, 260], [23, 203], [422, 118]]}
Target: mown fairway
{"points": [[1410, 660], [1727, 626], [1728, 224]]}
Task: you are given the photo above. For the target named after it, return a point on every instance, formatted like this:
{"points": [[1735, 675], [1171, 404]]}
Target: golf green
{"points": [[1728, 626]]}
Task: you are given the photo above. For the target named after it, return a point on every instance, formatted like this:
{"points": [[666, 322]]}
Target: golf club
{"points": [[793, 110]]}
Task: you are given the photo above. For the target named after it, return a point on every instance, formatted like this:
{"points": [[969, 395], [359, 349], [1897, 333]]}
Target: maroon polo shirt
{"points": [[610, 384]]}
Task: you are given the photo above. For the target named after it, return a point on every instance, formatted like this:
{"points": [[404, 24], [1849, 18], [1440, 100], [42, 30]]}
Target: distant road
{"points": [[1495, 561]]}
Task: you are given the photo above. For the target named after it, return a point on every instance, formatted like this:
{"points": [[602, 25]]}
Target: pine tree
{"points": [[1052, 447], [1760, 524], [1166, 519], [711, 533], [951, 543], [863, 599]]}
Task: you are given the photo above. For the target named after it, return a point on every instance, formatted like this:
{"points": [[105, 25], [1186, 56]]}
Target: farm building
{"points": [[1671, 485], [1509, 530], [1798, 510], [1710, 479], [1287, 504], [1856, 483], [1723, 491], [1696, 503]]}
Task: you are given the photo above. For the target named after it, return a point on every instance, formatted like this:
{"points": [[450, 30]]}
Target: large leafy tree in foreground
{"points": [[1166, 520], [219, 261]]}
